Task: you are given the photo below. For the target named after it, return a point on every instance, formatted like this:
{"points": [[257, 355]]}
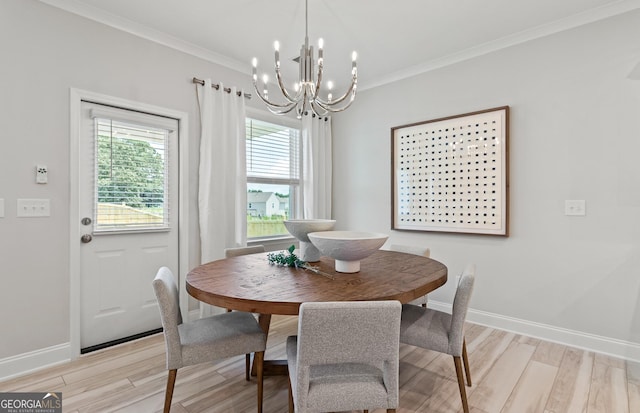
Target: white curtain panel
{"points": [[316, 153], [222, 190]]}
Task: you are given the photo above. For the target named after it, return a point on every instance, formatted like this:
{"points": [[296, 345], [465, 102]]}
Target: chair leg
{"points": [[291, 409], [463, 392], [259, 362], [168, 395], [465, 360], [247, 363]]}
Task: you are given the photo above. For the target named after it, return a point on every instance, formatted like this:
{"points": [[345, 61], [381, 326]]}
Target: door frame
{"points": [[76, 96]]}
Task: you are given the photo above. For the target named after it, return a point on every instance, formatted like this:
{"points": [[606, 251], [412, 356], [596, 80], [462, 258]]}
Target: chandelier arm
{"points": [[333, 109], [319, 81], [283, 90], [282, 108], [351, 90], [318, 113], [303, 107], [276, 111]]}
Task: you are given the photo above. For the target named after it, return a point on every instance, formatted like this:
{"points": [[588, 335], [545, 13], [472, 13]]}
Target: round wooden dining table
{"points": [[250, 283]]}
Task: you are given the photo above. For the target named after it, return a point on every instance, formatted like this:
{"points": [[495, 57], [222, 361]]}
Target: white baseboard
{"points": [[36, 360], [605, 345], [25, 363]]}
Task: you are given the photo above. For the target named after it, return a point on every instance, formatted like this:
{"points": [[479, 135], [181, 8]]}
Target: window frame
{"points": [[295, 185], [126, 118]]}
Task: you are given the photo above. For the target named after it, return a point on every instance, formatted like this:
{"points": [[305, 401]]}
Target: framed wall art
{"points": [[451, 174]]}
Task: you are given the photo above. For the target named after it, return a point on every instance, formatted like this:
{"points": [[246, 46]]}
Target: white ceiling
{"points": [[394, 39]]}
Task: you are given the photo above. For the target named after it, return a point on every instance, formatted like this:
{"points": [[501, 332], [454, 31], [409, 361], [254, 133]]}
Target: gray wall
{"points": [[45, 52], [575, 134]]}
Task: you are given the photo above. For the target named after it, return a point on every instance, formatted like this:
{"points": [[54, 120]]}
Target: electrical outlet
{"points": [[41, 174]]}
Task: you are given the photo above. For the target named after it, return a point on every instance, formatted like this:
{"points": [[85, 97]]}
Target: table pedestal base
{"points": [[273, 368], [270, 367]]}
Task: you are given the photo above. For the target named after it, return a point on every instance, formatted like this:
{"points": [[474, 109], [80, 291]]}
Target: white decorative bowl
{"points": [[347, 247], [299, 228]]}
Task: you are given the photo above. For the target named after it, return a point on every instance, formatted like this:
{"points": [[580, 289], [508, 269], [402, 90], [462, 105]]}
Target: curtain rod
{"points": [[217, 87]]}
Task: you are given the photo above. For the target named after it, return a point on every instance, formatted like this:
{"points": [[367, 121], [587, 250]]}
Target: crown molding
{"points": [[129, 26]]}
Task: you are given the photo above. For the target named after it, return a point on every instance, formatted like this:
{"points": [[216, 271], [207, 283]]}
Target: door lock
{"points": [[86, 221]]}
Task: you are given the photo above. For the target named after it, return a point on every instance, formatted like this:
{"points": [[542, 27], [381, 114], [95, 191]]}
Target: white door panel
{"points": [[118, 264]]}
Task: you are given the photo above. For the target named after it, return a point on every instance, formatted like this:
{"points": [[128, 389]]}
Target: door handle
{"points": [[86, 238]]}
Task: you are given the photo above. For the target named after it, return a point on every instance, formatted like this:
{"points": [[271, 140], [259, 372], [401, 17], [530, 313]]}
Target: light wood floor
{"points": [[510, 373]]}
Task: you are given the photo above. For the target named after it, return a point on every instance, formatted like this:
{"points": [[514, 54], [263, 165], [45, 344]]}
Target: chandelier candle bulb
{"points": [[255, 69], [276, 46]]}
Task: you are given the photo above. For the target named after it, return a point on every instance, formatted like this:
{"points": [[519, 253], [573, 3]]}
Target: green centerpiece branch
{"points": [[289, 259], [282, 259]]}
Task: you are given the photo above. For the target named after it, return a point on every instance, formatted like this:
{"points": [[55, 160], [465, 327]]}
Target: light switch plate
{"points": [[575, 207], [33, 208]]}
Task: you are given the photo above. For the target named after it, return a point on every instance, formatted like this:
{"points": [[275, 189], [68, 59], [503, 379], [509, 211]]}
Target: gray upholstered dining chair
{"points": [[237, 251], [443, 332], [206, 339], [412, 249], [345, 357]]}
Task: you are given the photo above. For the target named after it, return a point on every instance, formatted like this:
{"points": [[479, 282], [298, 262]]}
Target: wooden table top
{"points": [[249, 283]]}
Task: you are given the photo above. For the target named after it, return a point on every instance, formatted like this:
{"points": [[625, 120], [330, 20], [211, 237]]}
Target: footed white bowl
{"points": [[347, 247], [299, 228]]}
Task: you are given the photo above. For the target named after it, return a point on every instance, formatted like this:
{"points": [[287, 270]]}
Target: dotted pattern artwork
{"points": [[449, 175]]}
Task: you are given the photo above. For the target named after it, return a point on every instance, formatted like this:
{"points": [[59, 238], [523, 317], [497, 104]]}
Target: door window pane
{"points": [[131, 176]]}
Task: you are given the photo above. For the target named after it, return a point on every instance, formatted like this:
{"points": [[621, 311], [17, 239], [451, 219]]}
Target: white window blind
{"points": [[273, 152], [131, 186]]}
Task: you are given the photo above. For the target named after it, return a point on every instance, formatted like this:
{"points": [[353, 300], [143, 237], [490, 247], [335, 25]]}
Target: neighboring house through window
{"points": [[273, 176]]}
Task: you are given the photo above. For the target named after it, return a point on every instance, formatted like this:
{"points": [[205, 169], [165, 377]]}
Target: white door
{"points": [[128, 180]]}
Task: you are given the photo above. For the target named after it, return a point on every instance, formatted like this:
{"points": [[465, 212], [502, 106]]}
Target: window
{"points": [[131, 175], [273, 177]]}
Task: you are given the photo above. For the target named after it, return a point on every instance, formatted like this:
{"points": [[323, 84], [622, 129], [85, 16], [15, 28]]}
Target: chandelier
{"points": [[306, 91]]}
